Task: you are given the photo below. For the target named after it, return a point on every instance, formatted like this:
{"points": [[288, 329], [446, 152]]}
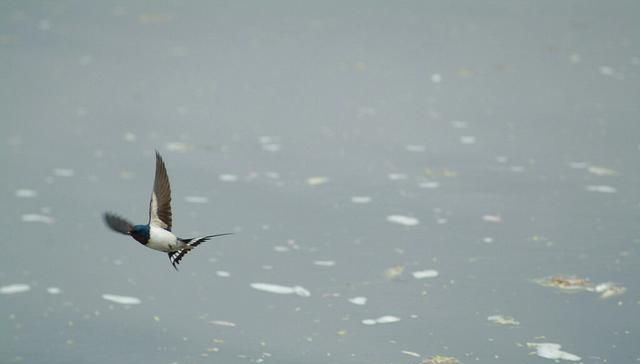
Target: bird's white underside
{"points": [[163, 240]]}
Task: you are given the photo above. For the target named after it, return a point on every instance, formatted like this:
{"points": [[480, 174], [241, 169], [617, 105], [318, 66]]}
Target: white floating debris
{"points": [[196, 199], [54, 290], [275, 288], [397, 176], [223, 274], [37, 218], [411, 353], [436, 78], [325, 263], [552, 351], [601, 171], [429, 273], [266, 139], [123, 300], [26, 193], [381, 320], [503, 320], [468, 139], [403, 220], [314, 181], [578, 165], [361, 199], [222, 323], [606, 70], [502, 159], [228, 177], [271, 147], [609, 289], [459, 124], [416, 148], [601, 189], [492, 218], [63, 172], [14, 288], [488, 240], [129, 137], [575, 58], [429, 184], [358, 300], [178, 146]]}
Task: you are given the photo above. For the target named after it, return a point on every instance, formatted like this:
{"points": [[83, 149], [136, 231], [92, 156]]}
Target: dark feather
{"points": [[160, 205], [117, 224]]}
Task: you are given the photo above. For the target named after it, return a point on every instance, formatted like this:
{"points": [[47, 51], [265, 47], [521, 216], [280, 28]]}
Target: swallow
{"points": [[156, 234]]}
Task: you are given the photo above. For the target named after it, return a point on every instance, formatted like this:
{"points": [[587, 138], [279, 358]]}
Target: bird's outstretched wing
{"points": [[117, 224], [160, 205]]}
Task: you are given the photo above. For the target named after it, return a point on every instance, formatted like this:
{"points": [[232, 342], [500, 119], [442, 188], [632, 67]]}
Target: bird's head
{"points": [[140, 233]]}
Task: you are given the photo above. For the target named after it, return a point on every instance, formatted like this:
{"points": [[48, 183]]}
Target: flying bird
{"points": [[156, 234]]}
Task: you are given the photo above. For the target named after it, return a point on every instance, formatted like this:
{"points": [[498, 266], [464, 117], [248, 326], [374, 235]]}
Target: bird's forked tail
{"points": [[176, 257]]}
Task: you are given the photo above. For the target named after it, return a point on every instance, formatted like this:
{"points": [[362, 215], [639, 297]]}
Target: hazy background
{"points": [[505, 135]]}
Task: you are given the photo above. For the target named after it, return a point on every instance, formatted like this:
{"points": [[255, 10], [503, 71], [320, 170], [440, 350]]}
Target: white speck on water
{"points": [[315, 181], [358, 300], [223, 274], [552, 351], [361, 199], [37, 218], [196, 199], [223, 323], [575, 58], [502, 159], [228, 177], [271, 147], [123, 300], [429, 184], [325, 263], [488, 240], [397, 176], [178, 146], [436, 78], [54, 290], [492, 218], [381, 320], [503, 320], [130, 137], [63, 172], [457, 124], [468, 139], [578, 165], [416, 148], [278, 289], [281, 248], [441, 221], [601, 171], [601, 189], [14, 288], [26, 193], [429, 273], [403, 220], [606, 71], [517, 169]]}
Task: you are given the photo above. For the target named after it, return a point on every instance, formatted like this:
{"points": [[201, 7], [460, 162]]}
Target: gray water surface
{"points": [[408, 182]]}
